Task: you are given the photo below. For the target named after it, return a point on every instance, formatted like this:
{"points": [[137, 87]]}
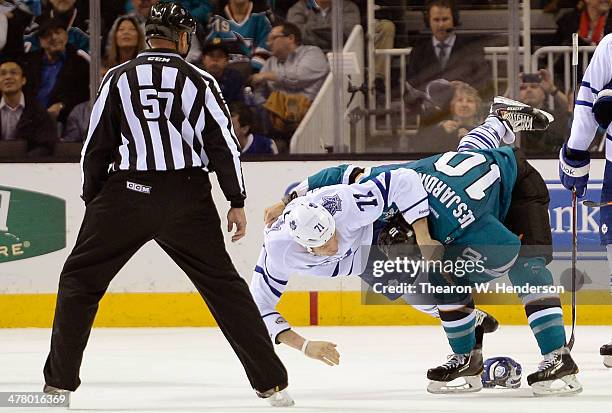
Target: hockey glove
{"points": [[574, 169], [397, 239]]}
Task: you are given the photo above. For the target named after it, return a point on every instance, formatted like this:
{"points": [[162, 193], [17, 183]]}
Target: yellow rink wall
{"points": [[151, 291], [301, 308]]}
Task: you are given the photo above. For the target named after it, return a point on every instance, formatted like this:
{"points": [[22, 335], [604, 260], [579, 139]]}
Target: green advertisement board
{"points": [[31, 224]]}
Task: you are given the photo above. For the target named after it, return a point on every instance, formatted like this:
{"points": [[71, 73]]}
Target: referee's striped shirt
{"points": [[158, 113]]}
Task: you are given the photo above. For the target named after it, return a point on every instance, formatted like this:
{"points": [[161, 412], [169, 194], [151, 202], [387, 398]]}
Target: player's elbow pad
{"points": [[602, 108]]}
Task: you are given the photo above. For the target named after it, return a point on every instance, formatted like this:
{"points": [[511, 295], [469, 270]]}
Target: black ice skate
{"points": [[556, 366], [606, 352], [277, 397], [519, 116], [466, 367], [485, 323]]}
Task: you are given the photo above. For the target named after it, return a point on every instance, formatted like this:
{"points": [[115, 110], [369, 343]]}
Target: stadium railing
{"points": [[315, 134], [552, 54]]}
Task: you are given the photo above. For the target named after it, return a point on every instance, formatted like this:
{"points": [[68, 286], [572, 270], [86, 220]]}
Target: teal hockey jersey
{"points": [[462, 187]]}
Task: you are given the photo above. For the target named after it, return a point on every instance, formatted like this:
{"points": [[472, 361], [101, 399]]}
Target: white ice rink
{"points": [[382, 369]]}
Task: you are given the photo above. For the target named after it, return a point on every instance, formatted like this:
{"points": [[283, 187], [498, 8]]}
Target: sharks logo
{"points": [[332, 203]]}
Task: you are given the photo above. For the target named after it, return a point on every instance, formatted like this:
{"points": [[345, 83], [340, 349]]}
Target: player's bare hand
{"points": [[272, 212], [324, 351], [237, 217]]}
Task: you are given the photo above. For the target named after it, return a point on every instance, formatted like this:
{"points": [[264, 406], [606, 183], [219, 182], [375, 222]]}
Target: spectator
{"points": [[238, 19], [64, 11], [293, 67], [72, 19], [68, 12], [465, 114], [292, 76], [447, 55], [590, 19], [58, 74], [251, 143], [125, 40], [14, 19], [78, 119], [215, 58], [22, 117], [314, 18], [534, 91]]}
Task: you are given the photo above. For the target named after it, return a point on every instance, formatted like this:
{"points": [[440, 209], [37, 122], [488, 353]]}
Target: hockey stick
{"points": [[595, 204], [570, 343]]}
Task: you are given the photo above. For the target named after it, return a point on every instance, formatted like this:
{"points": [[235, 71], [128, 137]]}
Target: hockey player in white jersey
{"points": [[327, 233], [592, 110]]}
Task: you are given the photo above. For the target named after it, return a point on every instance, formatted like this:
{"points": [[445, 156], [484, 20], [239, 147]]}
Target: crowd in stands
{"points": [[269, 59], [459, 60]]}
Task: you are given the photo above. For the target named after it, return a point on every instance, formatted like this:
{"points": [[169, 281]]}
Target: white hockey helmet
{"points": [[310, 225]]}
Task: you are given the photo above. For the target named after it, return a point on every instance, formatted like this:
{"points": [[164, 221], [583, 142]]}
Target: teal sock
{"points": [[460, 330]]}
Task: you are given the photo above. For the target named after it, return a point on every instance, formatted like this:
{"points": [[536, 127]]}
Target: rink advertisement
{"points": [[150, 282], [31, 224]]}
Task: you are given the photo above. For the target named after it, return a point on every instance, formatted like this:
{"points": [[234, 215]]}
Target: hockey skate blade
{"points": [[470, 385], [281, 399], [608, 361], [546, 388]]}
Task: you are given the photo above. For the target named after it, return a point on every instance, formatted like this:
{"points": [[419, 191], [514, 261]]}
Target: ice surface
{"points": [[382, 369]]}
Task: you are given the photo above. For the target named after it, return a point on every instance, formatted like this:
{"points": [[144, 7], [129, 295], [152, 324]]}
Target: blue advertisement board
{"points": [[560, 212]]}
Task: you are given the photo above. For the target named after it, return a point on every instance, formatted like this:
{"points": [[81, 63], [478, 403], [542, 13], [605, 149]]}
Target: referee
{"points": [[158, 127]]}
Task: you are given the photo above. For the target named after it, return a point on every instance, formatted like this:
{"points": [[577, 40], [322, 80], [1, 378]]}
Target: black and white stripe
{"points": [[158, 113]]}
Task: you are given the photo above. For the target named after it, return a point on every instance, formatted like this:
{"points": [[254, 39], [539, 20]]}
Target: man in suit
{"points": [[446, 54], [22, 118]]}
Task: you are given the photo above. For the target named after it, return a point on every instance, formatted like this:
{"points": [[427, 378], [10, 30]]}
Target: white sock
{"points": [[501, 129]]}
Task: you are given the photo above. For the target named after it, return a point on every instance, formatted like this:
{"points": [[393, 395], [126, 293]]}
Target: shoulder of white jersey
{"points": [[606, 41]]}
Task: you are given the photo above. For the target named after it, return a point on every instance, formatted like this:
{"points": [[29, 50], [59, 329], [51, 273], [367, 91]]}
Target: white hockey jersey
{"points": [[355, 208], [598, 76]]}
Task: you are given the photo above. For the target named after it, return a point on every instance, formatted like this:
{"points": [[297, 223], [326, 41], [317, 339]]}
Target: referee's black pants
{"points": [[180, 215]]}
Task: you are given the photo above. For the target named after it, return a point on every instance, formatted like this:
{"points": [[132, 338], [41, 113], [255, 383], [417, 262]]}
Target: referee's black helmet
{"points": [[168, 21]]}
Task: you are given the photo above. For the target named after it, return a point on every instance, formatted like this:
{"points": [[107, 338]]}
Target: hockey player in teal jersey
{"points": [[492, 202]]}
